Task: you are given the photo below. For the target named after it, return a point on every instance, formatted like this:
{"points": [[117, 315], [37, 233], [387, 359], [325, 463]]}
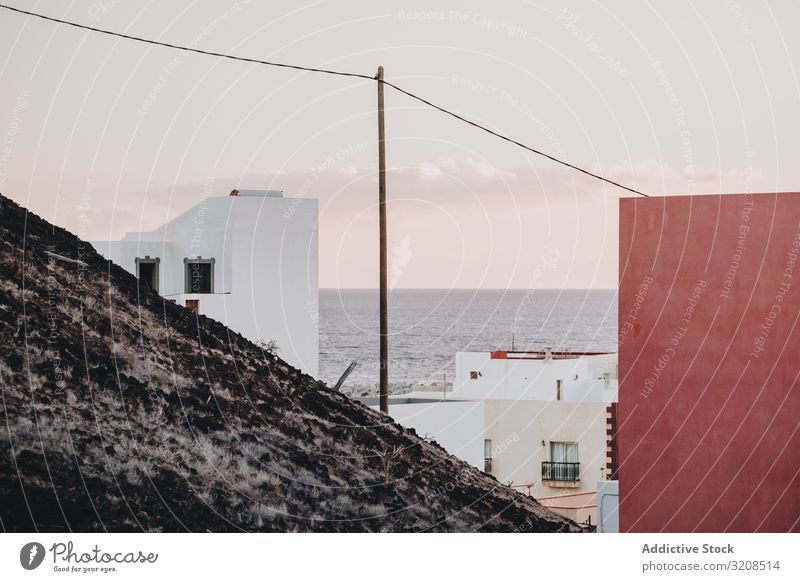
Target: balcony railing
{"points": [[564, 472]]}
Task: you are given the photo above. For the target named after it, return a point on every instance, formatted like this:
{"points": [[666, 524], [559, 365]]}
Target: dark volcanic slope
{"points": [[126, 412]]}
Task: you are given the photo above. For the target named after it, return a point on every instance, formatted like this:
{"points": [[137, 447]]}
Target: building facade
{"points": [[248, 260], [709, 300], [536, 421]]}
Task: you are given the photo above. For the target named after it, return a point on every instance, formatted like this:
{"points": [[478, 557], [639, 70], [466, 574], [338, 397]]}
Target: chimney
{"points": [[548, 355]]}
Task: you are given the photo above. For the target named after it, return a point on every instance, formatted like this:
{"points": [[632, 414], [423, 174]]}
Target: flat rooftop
{"points": [[257, 193], [541, 355]]}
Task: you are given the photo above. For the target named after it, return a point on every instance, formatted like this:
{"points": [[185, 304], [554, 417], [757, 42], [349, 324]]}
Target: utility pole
{"points": [[384, 300]]}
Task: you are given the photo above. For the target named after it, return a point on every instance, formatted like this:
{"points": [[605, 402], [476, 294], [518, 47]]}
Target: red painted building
{"points": [[709, 363]]}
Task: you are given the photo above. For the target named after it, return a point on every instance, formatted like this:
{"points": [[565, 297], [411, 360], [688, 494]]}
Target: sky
{"points": [[103, 135]]}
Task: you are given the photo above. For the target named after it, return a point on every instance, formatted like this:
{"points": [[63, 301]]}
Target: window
{"points": [[563, 452], [487, 455], [147, 272], [563, 466], [559, 387], [199, 276], [474, 375]]}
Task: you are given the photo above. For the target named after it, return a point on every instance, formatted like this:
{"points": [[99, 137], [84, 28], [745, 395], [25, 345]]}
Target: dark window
{"points": [[199, 275], [147, 272]]}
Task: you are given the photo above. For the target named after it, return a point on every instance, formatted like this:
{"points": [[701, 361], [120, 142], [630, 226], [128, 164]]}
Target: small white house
{"points": [[547, 375], [248, 260], [537, 421]]}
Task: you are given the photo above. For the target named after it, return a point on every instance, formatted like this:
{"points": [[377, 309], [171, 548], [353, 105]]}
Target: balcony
{"points": [[564, 474]]}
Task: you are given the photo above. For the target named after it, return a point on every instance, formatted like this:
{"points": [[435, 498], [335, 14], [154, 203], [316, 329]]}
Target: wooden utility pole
{"points": [[384, 292]]}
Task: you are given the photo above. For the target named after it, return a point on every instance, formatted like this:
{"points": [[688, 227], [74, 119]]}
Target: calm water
{"points": [[429, 326]]}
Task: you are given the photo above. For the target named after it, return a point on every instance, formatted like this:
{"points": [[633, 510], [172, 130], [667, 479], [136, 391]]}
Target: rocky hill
{"points": [[125, 412]]}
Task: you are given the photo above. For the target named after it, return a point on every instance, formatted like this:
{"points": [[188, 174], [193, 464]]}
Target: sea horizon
{"points": [[427, 327], [471, 289]]}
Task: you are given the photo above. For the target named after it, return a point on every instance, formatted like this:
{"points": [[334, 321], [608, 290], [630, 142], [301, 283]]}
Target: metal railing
{"points": [[568, 472]]}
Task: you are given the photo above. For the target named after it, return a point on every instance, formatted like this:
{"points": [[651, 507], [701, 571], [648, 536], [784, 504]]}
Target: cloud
{"points": [[662, 179], [472, 224]]}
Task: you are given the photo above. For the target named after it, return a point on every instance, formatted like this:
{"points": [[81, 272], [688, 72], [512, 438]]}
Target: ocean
{"points": [[428, 326]]}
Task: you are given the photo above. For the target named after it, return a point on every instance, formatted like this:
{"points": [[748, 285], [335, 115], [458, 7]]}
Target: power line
{"points": [[511, 140], [187, 48], [330, 72]]}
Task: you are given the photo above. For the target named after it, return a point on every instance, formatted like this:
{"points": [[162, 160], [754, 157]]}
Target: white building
{"points": [[248, 260], [565, 376], [608, 506], [535, 420]]}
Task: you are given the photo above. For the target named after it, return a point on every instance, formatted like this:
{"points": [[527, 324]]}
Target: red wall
{"points": [[709, 363]]}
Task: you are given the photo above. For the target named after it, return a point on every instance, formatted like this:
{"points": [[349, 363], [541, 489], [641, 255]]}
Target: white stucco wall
{"points": [[457, 426], [535, 379], [266, 257], [521, 432]]}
